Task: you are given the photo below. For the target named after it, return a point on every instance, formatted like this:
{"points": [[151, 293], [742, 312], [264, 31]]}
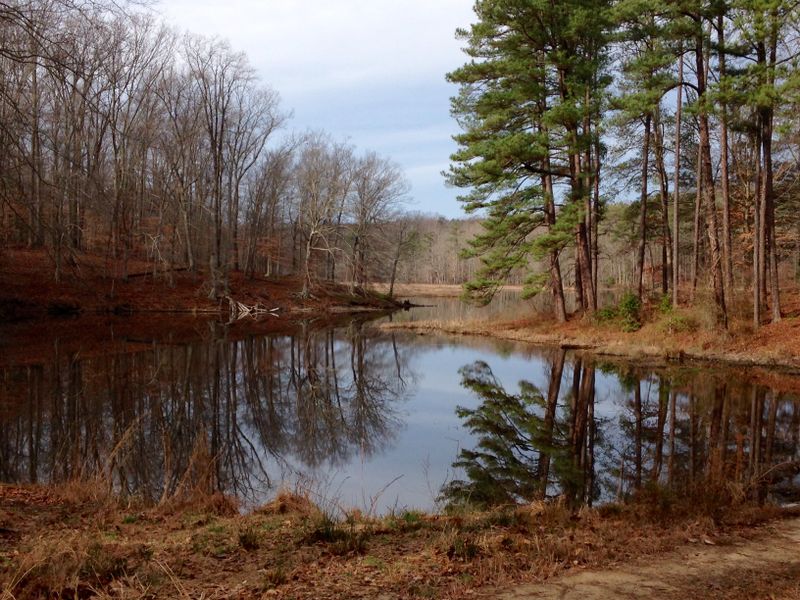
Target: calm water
{"points": [[377, 420], [506, 304]]}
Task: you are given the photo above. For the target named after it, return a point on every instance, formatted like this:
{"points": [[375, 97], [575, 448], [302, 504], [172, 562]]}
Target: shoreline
{"points": [[431, 290], [706, 347], [28, 293]]}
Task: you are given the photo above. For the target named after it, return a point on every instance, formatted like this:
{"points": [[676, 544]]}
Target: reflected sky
{"points": [[364, 418]]}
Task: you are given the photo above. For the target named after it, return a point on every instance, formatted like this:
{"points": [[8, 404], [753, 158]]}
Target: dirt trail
{"points": [[767, 566]]}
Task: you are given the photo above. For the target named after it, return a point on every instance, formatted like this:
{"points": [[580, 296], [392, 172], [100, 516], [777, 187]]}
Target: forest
{"points": [[687, 109], [124, 139], [624, 144], [238, 358]]}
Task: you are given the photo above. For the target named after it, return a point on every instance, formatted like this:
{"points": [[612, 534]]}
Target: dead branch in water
{"points": [[239, 310]]}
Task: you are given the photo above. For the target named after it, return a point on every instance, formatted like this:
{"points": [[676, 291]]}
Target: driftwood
{"points": [[239, 310]]}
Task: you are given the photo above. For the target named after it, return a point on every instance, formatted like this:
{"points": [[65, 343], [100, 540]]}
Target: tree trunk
{"points": [[768, 196], [595, 221], [708, 191], [763, 218], [757, 232], [727, 248], [556, 282], [663, 186], [307, 268], [676, 203], [580, 301], [394, 271], [643, 209], [769, 213], [698, 203], [585, 269]]}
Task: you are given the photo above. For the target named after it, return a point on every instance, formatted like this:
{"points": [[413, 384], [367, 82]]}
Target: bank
{"points": [[95, 285], [673, 337], [79, 540]]}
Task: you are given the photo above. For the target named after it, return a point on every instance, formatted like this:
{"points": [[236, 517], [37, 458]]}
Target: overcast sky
{"points": [[369, 71]]}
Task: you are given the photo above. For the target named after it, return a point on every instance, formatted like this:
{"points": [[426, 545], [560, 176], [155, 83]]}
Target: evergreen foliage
{"points": [[544, 84], [513, 435], [529, 104]]}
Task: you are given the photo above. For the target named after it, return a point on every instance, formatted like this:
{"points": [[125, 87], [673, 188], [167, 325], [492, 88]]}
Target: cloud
{"points": [[313, 45], [429, 171], [408, 137], [371, 71]]}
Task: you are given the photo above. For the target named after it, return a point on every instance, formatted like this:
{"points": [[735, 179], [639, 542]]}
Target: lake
{"points": [[356, 416]]}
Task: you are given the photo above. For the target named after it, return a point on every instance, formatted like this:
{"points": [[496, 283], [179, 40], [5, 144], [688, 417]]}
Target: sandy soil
{"points": [[767, 566]]}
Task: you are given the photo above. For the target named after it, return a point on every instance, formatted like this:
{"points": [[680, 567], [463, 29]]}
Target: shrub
{"points": [[630, 312], [678, 323], [665, 304], [627, 313], [604, 315]]}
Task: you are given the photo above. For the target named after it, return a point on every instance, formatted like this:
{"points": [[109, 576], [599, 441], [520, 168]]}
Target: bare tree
{"points": [[323, 181], [378, 189]]}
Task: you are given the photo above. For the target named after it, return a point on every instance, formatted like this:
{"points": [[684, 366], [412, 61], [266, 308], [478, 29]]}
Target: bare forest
{"points": [[124, 140]]}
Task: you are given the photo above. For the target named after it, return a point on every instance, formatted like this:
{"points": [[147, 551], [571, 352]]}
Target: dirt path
{"points": [[766, 566]]}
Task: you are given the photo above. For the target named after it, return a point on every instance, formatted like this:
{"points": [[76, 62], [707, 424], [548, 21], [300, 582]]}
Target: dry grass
{"points": [[288, 502], [289, 547], [687, 333]]}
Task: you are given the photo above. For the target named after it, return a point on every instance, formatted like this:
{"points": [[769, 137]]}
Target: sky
{"points": [[371, 72]]}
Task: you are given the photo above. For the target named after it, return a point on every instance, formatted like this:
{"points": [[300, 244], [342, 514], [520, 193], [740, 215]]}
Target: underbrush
{"points": [[630, 315], [627, 314]]}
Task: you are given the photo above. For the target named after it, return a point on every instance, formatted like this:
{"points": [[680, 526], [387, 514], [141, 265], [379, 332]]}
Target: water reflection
{"points": [[355, 409], [588, 440], [507, 304], [218, 414]]}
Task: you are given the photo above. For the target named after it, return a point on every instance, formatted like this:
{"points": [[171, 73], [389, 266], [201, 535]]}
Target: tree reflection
{"points": [[525, 448], [223, 414], [689, 431]]}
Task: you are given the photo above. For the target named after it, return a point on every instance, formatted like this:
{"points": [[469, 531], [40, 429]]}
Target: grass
{"points": [[347, 536], [249, 538], [294, 547], [657, 330]]}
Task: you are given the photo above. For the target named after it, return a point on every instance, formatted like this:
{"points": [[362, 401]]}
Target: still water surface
{"points": [[365, 418]]}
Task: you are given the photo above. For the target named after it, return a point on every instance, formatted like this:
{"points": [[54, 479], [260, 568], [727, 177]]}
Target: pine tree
{"points": [[530, 103], [643, 35], [518, 441]]}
